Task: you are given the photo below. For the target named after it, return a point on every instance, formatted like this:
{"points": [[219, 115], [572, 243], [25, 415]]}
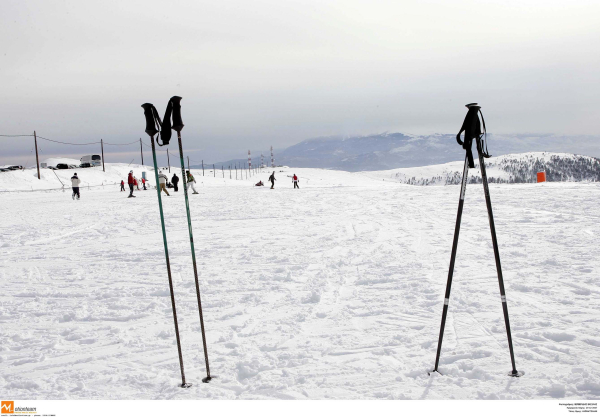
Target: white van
{"points": [[93, 160]]}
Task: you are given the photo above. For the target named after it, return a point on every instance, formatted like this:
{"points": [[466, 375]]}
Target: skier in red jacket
{"points": [[295, 181], [131, 182]]}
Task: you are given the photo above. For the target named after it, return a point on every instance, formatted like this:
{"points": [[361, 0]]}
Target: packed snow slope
{"points": [[331, 291]]}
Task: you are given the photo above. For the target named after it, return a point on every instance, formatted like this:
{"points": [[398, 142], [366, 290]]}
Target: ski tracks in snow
{"points": [[323, 292]]}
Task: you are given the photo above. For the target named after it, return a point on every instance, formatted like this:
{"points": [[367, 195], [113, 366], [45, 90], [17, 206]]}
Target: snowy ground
{"points": [[331, 291]]}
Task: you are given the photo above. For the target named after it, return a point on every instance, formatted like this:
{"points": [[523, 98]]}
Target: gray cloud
{"points": [[261, 73]]}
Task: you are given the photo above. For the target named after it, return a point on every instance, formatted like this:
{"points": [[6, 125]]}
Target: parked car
{"points": [[85, 165], [61, 166], [5, 168]]}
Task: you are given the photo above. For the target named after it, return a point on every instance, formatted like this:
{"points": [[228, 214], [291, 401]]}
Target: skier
{"points": [[135, 182], [122, 185], [75, 181], [130, 182], [175, 181], [272, 179], [295, 181], [162, 180], [190, 182], [144, 183]]}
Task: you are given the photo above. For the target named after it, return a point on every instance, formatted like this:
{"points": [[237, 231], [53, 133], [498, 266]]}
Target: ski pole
{"points": [[162, 222], [461, 201], [472, 128], [178, 125], [488, 202]]}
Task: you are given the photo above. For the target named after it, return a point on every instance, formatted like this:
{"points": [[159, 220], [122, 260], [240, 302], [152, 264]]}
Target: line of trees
{"points": [[571, 168]]}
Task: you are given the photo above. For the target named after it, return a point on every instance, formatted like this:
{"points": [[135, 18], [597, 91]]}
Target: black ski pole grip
{"points": [[150, 125], [165, 130], [177, 122]]}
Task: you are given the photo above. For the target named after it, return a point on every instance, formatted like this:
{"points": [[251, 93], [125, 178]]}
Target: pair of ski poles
{"points": [[463, 189], [151, 132]]}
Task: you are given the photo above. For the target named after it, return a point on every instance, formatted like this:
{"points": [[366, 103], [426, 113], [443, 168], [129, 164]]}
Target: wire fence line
{"points": [[233, 168], [63, 188], [101, 142], [67, 143], [124, 144], [241, 165], [77, 144]]}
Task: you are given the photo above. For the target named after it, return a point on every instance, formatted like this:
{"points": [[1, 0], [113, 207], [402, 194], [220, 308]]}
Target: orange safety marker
{"points": [[541, 176]]}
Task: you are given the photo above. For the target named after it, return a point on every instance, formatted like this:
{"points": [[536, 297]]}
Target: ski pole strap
{"points": [[503, 298], [483, 121], [446, 301], [460, 142], [486, 153]]}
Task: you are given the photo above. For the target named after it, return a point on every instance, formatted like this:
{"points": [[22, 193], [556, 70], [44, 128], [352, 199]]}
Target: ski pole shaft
{"points": [[463, 189], [162, 222], [488, 202], [189, 219]]}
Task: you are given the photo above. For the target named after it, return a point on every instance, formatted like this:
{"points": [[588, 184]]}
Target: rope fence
{"points": [[237, 171]]}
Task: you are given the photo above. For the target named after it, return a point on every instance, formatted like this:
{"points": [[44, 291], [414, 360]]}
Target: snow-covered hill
{"points": [[512, 168]]}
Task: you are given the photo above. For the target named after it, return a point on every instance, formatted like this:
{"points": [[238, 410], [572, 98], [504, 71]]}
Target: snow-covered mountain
{"points": [[511, 168], [398, 150], [368, 153]]}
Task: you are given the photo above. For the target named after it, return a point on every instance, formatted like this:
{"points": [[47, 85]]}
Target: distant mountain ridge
{"points": [[398, 150]]}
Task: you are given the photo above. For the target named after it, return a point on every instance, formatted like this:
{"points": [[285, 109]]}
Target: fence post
{"points": [[169, 161], [141, 152], [102, 148], [37, 159], [214, 172]]}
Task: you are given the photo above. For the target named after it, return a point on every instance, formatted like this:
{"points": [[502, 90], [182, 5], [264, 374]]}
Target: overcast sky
{"points": [[255, 73]]}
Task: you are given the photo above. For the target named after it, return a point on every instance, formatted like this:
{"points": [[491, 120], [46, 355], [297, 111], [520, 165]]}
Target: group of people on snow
{"points": [[132, 181], [272, 179], [135, 183], [163, 180], [163, 183]]}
